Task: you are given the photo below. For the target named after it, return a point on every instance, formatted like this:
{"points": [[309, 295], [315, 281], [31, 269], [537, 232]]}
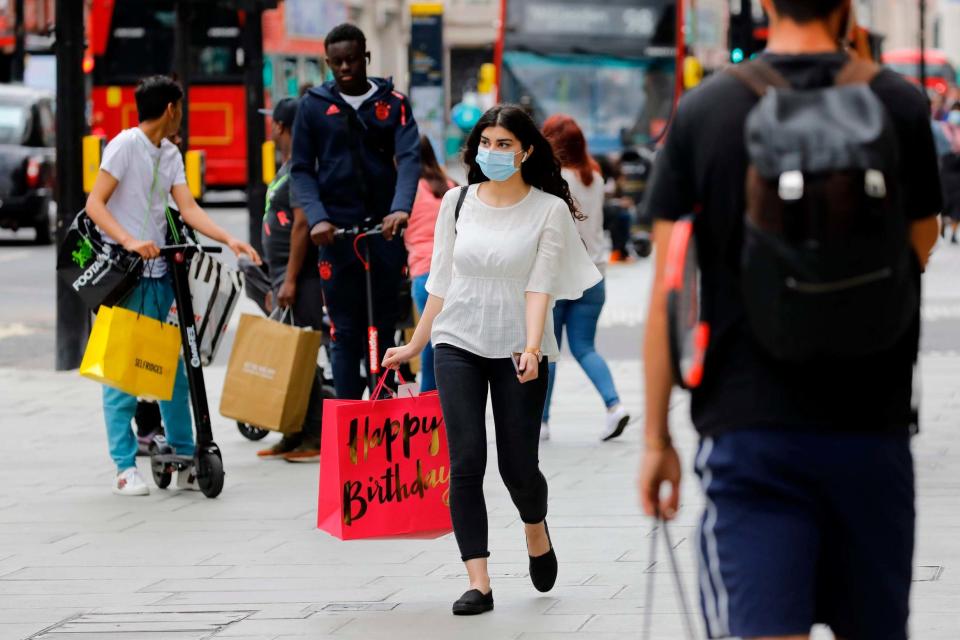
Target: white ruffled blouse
{"points": [[483, 269]]}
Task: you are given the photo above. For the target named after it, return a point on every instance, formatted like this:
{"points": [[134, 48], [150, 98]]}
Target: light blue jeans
{"points": [[152, 297], [428, 380], [580, 317]]}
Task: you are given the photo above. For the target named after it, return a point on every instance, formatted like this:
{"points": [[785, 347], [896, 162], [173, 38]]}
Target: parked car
{"points": [[27, 160]]}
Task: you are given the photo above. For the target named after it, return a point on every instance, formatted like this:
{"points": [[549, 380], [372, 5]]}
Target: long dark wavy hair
{"points": [[430, 169], [541, 169]]}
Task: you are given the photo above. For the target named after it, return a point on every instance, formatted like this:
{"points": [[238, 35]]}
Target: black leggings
{"points": [[462, 381]]}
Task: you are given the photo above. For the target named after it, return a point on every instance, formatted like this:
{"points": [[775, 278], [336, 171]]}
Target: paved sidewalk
{"points": [[81, 563]]}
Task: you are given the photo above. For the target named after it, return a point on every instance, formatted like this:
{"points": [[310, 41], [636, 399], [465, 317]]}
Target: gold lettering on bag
{"points": [[391, 488], [395, 436]]}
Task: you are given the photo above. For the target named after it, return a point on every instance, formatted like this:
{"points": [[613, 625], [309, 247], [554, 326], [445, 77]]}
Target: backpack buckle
{"points": [[791, 185], [874, 184]]}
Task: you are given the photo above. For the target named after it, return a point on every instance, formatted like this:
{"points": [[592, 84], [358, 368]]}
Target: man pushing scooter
{"points": [[140, 168], [356, 163]]}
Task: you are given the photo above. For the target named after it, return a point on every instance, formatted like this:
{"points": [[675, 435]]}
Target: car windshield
{"points": [[13, 119]]}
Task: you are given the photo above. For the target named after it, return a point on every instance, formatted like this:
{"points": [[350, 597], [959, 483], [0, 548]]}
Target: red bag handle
{"points": [[382, 384]]}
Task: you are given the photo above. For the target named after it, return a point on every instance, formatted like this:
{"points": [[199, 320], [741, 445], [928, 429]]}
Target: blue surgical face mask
{"points": [[497, 165]]}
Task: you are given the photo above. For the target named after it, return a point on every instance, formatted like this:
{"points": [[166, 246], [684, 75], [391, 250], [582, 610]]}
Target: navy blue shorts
{"points": [[803, 528]]}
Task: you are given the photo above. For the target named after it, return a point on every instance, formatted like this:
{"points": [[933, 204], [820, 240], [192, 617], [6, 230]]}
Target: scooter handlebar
{"points": [[358, 230], [172, 249]]}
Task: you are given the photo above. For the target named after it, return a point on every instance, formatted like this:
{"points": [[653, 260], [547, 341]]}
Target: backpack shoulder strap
{"points": [[857, 71], [759, 76], [456, 212]]}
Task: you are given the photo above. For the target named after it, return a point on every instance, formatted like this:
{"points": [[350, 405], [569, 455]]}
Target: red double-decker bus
{"points": [[130, 39]]}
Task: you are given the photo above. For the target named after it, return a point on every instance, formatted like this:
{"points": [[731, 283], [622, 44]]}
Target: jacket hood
{"points": [[328, 90]]}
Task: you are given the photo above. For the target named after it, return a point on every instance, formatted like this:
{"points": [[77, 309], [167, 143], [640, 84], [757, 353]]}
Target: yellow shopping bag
{"points": [[133, 353]]}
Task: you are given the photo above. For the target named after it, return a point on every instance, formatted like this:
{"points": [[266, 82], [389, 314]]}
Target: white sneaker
{"points": [[544, 431], [187, 479], [129, 482], [617, 420]]}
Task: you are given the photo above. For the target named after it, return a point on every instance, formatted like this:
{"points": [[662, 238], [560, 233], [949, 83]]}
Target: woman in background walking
{"points": [[419, 240], [580, 316]]}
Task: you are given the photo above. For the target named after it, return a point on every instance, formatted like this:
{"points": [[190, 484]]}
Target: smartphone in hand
{"points": [[515, 359]]}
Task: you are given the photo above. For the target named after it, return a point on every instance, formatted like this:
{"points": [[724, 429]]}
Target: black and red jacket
{"points": [[329, 138]]}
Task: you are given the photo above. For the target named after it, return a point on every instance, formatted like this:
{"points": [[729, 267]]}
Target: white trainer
{"points": [[617, 420], [187, 479], [129, 482], [544, 431]]}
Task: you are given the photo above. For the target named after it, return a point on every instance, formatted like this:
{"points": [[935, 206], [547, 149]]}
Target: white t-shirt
{"points": [[590, 200], [356, 101], [132, 158], [497, 254]]}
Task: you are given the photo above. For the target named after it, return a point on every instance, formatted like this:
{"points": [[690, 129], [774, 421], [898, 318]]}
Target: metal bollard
{"points": [[269, 154], [92, 153], [195, 166]]}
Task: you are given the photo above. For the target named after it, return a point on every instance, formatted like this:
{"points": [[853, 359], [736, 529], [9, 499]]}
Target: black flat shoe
{"points": [[472, 603], [543, 569]]}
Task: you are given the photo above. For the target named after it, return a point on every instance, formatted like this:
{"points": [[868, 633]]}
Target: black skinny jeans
{"points": [[462, 381]]}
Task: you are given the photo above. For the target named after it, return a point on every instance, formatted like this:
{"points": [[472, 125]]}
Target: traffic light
{"points": [[747, 34]]}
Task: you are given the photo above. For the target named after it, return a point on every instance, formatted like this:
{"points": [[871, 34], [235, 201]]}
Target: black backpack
{"points": [[826, 264]]}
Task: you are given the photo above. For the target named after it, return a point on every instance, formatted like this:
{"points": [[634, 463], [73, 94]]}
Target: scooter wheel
{"points": [[160, 477], [210, 475], [161, 473], [250, 432], [643, 248]]}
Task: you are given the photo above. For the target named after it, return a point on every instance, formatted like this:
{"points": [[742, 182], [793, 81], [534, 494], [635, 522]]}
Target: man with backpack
{"points": [[356, 161], [814, 212]]}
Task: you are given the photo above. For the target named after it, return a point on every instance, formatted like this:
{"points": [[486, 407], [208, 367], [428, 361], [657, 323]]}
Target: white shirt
{"points": [[132, 158], [590, 201], [356, 101], [497, 254]]}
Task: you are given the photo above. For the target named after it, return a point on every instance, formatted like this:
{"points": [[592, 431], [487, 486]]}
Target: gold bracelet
{"points": [[658, 443], [535, 351]]}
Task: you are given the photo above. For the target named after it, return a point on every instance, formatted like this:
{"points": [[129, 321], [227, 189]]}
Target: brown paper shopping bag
{"points": [[271, 370]]}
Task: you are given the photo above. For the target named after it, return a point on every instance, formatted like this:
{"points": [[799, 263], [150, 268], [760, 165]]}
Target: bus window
{"points": [[142, 39], [216, 53], [616, 101], [140, 42]]}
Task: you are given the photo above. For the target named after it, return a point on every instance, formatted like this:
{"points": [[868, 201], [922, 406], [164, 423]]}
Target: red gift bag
{"points": [[384, 468]]}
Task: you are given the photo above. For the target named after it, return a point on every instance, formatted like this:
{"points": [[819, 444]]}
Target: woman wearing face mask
{"points": [[497, 269]]}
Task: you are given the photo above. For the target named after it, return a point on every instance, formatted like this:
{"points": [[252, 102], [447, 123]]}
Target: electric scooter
{"points": [[207, 462], [359, 232]]}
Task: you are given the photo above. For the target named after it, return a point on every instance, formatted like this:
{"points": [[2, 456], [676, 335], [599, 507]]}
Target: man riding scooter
{"points": [[356, 163]]}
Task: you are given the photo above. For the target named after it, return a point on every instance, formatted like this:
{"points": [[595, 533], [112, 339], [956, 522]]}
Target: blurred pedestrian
{"points": [[804, 454], [433, 184], [292, 260], [580, 316], [505, 248], [356, 161], [950, 171], [139, 168], [616, 211]]}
